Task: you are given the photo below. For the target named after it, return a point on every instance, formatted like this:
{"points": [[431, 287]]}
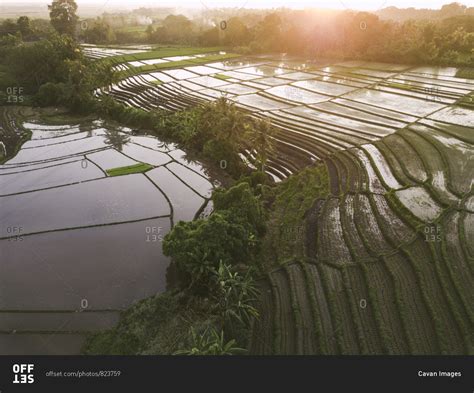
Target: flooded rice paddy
{"points": [[78, 246]]}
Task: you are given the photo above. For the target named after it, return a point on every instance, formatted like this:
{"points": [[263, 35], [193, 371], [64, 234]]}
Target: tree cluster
{"points": [[448, 39]]}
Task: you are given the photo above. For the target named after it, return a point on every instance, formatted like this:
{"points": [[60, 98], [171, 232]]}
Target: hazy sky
{"points": [[335, 4]]}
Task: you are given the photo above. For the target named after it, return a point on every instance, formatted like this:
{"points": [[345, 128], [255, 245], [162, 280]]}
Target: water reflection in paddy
{"points": [[103, 201], [96, 241], [144, 154], [110, 158], [197, 182], [60, 150], [260, 103], [293, 93], [333, 89], [184, 201], [264, 70], [412, 106], [48, 177], [111, 266]]}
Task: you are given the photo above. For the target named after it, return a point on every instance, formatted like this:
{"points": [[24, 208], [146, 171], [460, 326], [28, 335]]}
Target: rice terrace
{"points": [[270, 185]]}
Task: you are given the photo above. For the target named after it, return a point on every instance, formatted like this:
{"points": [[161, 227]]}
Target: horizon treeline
{"points": [[444, 38]]}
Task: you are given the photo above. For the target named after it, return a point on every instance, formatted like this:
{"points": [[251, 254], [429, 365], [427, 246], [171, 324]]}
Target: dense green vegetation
{"points": [[288, 205], [53, 71], [25, 28], [446, 11], [357, 35], [63, 16], [467, 73], [12, 140], [230, 236]]}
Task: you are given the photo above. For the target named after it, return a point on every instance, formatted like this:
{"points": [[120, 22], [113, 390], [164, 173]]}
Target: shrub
{"points": [[230, 235], [234, 295], [222, 153], [210, 342], [49, 94], [241, 201], [198, 246]]}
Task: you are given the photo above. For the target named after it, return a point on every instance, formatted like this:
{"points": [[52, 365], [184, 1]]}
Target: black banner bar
{"points": [[296, 374]]}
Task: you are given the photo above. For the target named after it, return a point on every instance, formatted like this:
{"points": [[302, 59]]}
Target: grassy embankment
{"points": [[221, 76], [287, 208], [465, 72], [127, 170], [468, 100], [212, 54], [12, 133]]}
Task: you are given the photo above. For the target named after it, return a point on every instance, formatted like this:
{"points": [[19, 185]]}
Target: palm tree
{"points": [[227, 122], [261, 137]]}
